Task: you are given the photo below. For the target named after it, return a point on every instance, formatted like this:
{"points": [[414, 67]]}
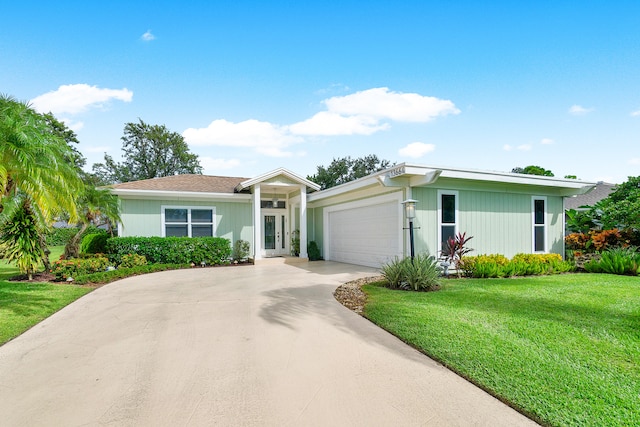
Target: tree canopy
{"points": [[149, 151], [532, 170], [346, 169], [622, 208]]}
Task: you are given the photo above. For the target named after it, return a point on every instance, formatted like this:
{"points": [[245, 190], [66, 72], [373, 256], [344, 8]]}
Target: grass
{"points": [[563, 349], [23, 305]]}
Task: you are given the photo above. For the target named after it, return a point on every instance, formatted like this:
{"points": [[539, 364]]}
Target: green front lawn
{"points": [[563, 349], [23, 305]]}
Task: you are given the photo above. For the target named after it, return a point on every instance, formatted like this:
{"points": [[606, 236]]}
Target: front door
{"points": [[274, 235]]}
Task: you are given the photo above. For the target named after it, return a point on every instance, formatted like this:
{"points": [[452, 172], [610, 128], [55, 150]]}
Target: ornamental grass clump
{"points": [[418, 274], [623, 261]]}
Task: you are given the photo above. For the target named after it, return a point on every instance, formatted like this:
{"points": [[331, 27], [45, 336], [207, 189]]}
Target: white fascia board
{"points": [[358, 184], [577, 187], [191, 195], [280, 171]]}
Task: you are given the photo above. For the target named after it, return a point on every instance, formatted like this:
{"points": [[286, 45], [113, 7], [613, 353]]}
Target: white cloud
{"points": [[523, 147], [578, 110], [72, 124], [76, 98], [635, 113], [212, 166], [546, 141], [148, 36], [416, 149], [329, 123], [264, 137], [634, 161], [381, 103]]}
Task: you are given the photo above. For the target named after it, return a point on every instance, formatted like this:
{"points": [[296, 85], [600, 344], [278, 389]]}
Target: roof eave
{"points": [[172, 194]]}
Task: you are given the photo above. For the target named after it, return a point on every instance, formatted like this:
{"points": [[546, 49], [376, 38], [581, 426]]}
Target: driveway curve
{"points": [[263, 345]]}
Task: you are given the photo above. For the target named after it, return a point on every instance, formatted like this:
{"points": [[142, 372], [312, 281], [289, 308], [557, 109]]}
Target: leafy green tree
{"points": [[97, 207], [532, 170], [149, 151], [621, 209], [346, 169]]}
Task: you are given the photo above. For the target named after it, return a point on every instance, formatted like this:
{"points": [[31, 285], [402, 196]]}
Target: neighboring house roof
{"points": [[188, 182], [599, 192]]}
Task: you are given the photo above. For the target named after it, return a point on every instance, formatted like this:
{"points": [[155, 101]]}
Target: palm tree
{"points": [[37, 179], [34, 162], [98, 207]]}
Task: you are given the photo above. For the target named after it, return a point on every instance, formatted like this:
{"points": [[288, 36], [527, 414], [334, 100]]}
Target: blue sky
{"points": [[254, 86]]}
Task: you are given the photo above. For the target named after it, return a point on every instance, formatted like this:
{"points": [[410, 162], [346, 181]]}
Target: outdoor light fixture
{"points": [[410, 213]]}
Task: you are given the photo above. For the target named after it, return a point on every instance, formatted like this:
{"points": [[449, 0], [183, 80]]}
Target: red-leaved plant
{"points": [[455, 248]]}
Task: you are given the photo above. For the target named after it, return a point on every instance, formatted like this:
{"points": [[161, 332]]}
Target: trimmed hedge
{"points": [[94, 243], [122, 273], [171, 250], [61, 236]]}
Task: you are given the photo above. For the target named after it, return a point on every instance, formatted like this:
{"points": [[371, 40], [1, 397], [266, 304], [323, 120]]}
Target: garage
{"points": [[364, 234]]}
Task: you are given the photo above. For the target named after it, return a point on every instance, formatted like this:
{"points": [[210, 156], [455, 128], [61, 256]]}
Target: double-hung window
{"points": [[179, 221], [447, 216], [539, 220]]}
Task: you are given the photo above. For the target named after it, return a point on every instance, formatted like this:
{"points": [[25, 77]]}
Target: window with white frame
{"points": [[183, 221], [539, 221], [447, 216]]}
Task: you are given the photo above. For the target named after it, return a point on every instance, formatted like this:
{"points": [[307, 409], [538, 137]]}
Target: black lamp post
{"points": [[410, 213]]}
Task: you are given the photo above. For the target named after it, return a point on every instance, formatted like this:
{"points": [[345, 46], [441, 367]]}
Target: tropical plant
{"points": [[455, 248], [419, 274], [623, 261], [34, 162], [97, 207], [295, 243], [240, 250], [20, 238]]}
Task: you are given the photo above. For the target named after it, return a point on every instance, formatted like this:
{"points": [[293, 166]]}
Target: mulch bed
{"points": [[351, 295]]}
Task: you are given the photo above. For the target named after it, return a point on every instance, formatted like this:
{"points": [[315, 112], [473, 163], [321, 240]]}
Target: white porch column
{"points": [[303, 222], [257, 224]]}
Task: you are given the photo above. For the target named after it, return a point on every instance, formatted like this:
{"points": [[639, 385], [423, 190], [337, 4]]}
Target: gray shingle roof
{"points": [[601, 191], [187, 183]]}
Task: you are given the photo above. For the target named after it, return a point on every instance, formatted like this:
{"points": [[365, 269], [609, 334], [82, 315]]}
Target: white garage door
{"points": [[367, 235]]}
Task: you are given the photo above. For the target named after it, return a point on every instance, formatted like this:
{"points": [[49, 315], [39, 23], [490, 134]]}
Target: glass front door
{"points": [[274, 235]]}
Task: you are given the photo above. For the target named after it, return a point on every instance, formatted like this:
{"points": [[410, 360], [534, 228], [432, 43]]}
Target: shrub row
{"points": [[66, 268], [172, 250], [489, 266], [121, 273], [420, 274]]}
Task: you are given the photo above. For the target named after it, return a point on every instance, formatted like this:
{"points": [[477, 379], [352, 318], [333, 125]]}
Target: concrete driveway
{"points": [[241, 346]]}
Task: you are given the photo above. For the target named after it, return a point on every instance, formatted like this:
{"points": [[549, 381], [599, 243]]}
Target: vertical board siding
{"points": [[499, 222], [143, 218]]}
